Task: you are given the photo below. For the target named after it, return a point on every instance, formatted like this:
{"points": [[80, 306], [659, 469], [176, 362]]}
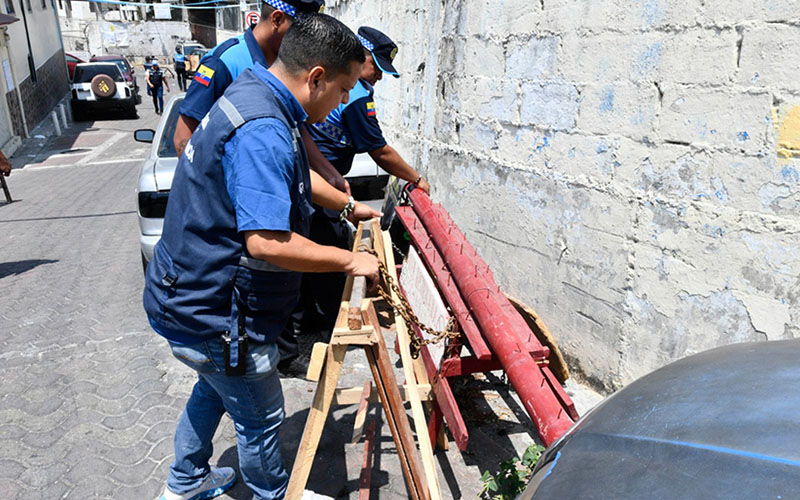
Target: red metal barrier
{"points": [[509, 337]]}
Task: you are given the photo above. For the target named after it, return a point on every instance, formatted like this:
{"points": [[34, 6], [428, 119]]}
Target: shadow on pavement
{"points": [[21, 266]]}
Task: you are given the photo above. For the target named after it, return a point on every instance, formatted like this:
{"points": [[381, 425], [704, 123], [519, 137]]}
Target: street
{"points": [[89, 394]]}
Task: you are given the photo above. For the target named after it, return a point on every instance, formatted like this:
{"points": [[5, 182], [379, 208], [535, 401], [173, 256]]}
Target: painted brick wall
{"points": [[40, 97], [628, 167]]}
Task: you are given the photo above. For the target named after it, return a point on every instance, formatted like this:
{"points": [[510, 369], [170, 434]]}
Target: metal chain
{"points": [[404, 309]]}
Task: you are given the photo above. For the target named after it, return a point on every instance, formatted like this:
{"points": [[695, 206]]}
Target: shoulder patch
{"points": [[203, 75], [370, 108]]}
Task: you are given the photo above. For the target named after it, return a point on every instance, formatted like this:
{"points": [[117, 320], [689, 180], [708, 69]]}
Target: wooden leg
{"points": [[5, 188], [316, 421], [383, 373], [366, 465]]}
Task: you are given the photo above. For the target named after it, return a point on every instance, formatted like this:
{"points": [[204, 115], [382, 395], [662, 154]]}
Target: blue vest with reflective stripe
{"points": [[189, 285]]}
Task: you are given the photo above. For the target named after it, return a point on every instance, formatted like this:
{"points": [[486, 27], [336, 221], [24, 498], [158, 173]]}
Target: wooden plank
{"points": [[420, 424], [352, 395], [383, 373], [366, 464], [317, 361], [361, 414], [446, 401], [356, 296], [558, 364], [433, 259], [315, 422]]}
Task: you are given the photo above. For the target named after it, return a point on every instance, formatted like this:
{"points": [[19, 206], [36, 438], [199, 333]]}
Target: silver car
{"points": [[155, 178]]}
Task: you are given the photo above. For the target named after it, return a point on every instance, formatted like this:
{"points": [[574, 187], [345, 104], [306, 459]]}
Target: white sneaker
{"points": [[217, 483]]}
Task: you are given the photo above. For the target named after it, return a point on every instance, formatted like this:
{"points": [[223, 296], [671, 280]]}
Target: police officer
{"points": [[350, 129], [179, 60], [220, 67], [226, 272], [155, 79]]}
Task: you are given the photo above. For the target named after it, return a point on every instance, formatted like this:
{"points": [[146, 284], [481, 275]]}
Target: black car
{"points": [[722, 424]]}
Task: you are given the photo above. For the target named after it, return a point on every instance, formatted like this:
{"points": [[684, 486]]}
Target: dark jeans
{"points": [[158, 98], [181, 76], [320, 293]]}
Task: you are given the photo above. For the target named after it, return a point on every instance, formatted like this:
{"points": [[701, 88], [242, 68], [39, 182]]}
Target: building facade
{"points": [[34, 69]]}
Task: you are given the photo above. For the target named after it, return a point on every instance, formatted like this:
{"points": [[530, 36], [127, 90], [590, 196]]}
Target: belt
{"points": [[260, 265]]}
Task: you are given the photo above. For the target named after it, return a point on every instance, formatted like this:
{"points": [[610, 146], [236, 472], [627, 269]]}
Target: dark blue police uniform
{"points": [[218, 69], [202, 284], [350, 129]]}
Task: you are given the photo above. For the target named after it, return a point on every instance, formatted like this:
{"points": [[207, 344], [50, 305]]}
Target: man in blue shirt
{"points": [[179, 59], [226, 273], [350, 129], [220, 67]]}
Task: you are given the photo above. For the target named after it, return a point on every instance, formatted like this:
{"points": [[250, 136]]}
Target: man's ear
{"points": [[277, 18], [316, 76]]}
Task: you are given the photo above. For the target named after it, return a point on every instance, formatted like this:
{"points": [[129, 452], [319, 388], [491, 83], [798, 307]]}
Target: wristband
{"points": [[416, 182], [348, 209]]}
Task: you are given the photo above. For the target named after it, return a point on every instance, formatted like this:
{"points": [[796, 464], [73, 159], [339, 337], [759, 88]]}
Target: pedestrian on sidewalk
{"points": [[155, 82], [225, 274], [180, 67]]}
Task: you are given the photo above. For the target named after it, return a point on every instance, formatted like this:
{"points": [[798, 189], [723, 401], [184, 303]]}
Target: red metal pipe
{"points": [[498, 325]]}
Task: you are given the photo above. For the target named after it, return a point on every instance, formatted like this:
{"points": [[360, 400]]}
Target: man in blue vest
{"points": [[350, 129], [179, 59], [220, 67], [226, 273]]}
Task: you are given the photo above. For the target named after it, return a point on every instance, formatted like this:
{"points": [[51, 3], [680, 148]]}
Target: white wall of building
{"points": [[44, 37], [628, 167]]}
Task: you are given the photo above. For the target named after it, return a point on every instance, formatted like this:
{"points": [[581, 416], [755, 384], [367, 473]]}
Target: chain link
{"points": [[404, 309]]}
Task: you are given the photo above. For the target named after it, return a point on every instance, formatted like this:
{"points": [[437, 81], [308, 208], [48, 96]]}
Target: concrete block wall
{"points": [[627, 167]]}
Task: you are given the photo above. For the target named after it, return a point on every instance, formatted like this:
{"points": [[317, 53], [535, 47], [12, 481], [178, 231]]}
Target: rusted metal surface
{"points": [[504, 330]]}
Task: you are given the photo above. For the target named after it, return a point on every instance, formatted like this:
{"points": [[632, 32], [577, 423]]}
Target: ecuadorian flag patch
{"points": [[371, 108], [203, 75]]}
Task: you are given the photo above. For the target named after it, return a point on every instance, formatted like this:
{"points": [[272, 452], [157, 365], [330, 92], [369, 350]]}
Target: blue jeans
{"points": [[254, 402], [158, 98]]}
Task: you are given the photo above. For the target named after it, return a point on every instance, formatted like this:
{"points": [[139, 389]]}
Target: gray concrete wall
{"points": [[627, 167], [141, 38]]}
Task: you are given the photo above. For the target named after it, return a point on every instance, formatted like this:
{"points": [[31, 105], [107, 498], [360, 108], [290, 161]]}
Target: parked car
{"points": [[719, 424], [101, 87], [193, 61], [72, 61], [124, 66], [158, 169], [155, 177]]}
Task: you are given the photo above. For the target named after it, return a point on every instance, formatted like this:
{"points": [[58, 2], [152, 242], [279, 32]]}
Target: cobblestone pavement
{"points": [[89, 395]]}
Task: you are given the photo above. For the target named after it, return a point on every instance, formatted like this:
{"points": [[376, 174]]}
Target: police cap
{"points": [[382, 48], [294, 7]]}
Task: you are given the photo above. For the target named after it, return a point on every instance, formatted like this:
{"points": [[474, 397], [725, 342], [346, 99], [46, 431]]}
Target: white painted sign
{"points": [[162, 11], [424, 298], [9, 76]]}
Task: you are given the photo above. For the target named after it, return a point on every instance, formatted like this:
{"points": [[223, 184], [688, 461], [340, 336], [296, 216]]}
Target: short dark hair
{"points": [[266, 10], [320, 40]]}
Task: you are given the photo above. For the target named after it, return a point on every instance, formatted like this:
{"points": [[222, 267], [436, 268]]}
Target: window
{"points": [[85, 73], [30, 9], [10, 6], [44, 4]]}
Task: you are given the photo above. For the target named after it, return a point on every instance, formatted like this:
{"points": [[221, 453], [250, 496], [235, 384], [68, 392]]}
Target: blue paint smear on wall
{"points": [[651, 12], [790, 174], [649, 58], [742, 136], [607, 100]]}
